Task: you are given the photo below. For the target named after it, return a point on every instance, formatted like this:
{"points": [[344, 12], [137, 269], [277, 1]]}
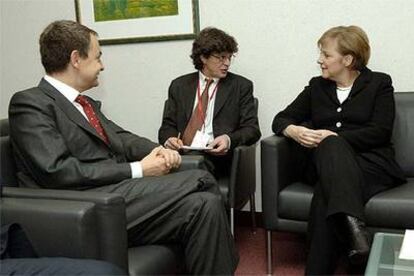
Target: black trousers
{"points": [[184, 208], [344, 181]]}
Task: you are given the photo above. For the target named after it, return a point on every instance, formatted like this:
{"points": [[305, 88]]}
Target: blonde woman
{"points": [[342, 123]]}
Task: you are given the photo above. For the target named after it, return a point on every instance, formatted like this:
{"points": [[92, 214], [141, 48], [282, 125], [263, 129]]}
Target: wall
{"points": [[277, 51]]}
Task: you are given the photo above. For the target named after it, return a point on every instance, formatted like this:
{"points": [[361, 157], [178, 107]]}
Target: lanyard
{"points": [[200, 105]]}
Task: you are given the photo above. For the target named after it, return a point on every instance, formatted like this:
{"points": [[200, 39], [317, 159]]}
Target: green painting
{"points": [[106, 10]]}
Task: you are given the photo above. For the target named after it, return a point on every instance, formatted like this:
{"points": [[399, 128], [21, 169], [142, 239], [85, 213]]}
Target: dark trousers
{"points": [[217, 165], [57, 266], [344, 181], [183, 208]]}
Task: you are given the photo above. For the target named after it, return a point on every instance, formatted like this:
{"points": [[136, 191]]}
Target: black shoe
{"points": [[359, 241]]}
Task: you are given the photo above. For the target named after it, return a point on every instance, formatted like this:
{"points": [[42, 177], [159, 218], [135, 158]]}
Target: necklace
{"points": [[344, 88]]}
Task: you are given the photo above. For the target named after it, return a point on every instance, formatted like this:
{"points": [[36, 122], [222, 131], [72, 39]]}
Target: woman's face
{"points": [[332, 63]]}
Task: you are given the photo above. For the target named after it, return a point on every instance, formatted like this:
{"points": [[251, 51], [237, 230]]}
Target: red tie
{"points": [[93, 119], [197, 119]]}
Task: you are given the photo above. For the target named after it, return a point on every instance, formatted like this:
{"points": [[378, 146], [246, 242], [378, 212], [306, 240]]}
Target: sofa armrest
{"points": [[109, 217], [277, 165], [191, 162], [55, 227], [242, 175]]}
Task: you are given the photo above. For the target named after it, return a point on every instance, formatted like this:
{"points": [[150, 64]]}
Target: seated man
{"points": [[62, 140], [212, 106]]}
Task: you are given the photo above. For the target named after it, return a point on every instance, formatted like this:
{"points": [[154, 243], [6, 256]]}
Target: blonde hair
{"points": [[351, 40]]}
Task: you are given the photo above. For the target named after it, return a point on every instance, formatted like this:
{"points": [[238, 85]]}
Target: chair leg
{"points": [[232, 221], [253, 211], [269, 252]]}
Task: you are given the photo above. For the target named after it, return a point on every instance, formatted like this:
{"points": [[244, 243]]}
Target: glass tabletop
{"points": [[383, 258]]}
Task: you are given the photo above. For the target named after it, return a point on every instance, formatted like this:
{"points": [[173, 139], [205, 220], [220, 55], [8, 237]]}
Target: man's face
{"points": [[216, 65], [91, 66]]}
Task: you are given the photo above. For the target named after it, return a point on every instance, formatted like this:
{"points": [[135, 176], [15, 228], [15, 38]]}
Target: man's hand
{"points": [[172, 157], [174, 143], [220, 145], [154, 164]]}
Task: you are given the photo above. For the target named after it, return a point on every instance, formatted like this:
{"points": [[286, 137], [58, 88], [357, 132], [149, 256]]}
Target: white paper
{"points": [[407, 247], [200, 140], [195, 148]]}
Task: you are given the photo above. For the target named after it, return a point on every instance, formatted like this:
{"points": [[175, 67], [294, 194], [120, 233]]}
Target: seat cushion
{"points": [[155, 260], [295, 201], [393, 208]]}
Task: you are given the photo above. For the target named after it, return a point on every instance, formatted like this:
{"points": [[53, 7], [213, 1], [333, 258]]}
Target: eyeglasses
{"points": [[222, 58]]}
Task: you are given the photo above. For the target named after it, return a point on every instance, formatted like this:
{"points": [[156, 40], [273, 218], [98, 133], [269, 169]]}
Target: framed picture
{"points": [[129, 21]]}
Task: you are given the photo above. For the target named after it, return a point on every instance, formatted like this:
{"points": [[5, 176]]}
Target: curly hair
{"points": [[59, 39], [211, 40]]}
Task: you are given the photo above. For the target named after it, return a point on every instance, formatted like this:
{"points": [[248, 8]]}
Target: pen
{"points": [[179, 135]]}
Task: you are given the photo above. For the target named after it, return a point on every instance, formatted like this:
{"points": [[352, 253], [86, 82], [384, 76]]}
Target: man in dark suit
{"points": [[62, 140], [227, 112]]}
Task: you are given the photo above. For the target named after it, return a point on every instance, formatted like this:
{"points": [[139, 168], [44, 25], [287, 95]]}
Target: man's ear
{"points": [[203, 59], [75, 58]]}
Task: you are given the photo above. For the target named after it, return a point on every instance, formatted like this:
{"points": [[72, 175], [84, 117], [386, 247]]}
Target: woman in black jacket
{"points": [[342, 123]]}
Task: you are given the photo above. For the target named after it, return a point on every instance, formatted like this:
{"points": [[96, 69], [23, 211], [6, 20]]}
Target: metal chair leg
{"points": [[232, 221], [269, 252], [253, 211]]}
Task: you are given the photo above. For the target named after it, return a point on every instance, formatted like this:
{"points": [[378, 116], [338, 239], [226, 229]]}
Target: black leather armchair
{"points": [[239, 186], [78, 224], [286, 204]]}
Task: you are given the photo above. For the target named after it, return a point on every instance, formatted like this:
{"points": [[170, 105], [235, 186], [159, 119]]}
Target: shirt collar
{"points": [[203, 78], [69, 92]]}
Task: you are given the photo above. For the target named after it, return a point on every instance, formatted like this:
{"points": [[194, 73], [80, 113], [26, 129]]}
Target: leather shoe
{"points": [[359, 240]]}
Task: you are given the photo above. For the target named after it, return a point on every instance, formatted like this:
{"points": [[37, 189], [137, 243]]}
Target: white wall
{"points": [[277, 51]]}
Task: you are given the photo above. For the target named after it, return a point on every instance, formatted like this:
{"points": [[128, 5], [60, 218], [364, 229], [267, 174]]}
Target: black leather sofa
{"points": [[286, 204], [79, 224]]}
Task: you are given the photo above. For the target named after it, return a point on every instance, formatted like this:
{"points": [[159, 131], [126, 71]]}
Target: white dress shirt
{"points": [[212, 92]]}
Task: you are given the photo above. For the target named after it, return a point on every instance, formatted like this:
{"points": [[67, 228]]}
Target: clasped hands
{"points": [[160, 161], [309, 138], [219, 146]]}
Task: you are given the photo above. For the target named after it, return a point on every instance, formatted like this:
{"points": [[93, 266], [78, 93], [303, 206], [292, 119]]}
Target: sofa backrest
{"points": [[7, 163], [403, 134]]}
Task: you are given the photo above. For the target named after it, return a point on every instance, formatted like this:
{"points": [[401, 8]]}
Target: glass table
{"points": [[383, 258]]}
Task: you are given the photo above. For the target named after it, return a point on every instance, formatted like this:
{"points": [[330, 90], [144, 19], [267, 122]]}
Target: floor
{"points": [[289, 254]]}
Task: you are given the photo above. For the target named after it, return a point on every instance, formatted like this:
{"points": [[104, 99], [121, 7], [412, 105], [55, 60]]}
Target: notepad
{"points": [[407, 247], [195, 148]]}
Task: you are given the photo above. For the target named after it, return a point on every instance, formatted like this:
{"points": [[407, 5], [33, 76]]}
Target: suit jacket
{"points": [[365, 119], [56, 147], [234, 109]]}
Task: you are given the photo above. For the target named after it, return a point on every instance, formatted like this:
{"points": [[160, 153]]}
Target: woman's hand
{"points": [[304, 136], [325, 133], [307, 137]]}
